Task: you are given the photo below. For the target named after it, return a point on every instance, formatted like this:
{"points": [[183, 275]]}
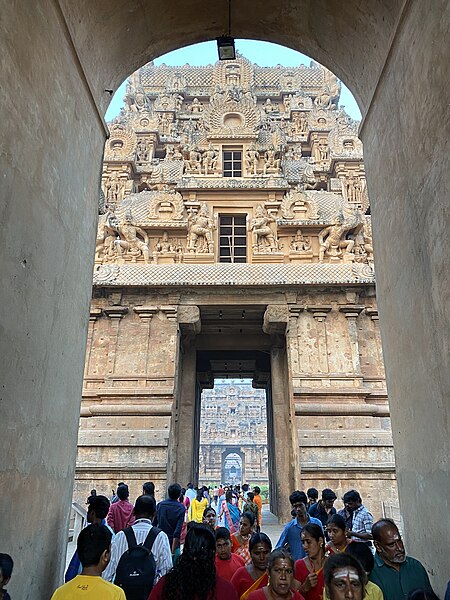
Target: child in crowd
{"points": [[6, 567]]}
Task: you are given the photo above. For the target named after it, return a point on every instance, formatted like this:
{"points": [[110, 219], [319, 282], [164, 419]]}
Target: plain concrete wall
{"points": [[406, 150], [50, 158], [50, 149]]}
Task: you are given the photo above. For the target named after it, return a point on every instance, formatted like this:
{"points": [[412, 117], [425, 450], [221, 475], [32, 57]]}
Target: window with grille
{"points": [[232, 163], [232, 238]]}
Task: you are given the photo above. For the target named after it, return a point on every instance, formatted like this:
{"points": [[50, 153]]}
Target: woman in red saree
{"points": [[309, 570], [254, 575], [281, 579], [240, 540]]}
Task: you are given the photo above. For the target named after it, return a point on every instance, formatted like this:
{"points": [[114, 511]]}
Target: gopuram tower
{"points": [[235, 240]]}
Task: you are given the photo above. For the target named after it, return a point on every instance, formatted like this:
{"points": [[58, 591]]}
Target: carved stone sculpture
{"points": [[271, 161], [251, 160], [264, 239], [196, 106], [210, 158], [129, 241], [192, 162], [333, 239], [300, 243], [110, 234], [200, 227]]}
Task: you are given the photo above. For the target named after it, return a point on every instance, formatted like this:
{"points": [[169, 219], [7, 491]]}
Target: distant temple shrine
{"points": [[234, 240]]}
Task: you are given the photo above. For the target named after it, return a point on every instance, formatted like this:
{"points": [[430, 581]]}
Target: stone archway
{"points": [[233, 466], [56, 83]]}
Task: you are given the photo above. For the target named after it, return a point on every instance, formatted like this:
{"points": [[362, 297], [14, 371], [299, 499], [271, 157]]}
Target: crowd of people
{"points": [[209, 544]]}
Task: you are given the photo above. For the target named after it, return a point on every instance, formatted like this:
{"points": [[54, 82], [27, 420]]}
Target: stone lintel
{"points": [[319, 312], [351, 311], [340, 409], [189, 319], [276, 319], [146, 312], [126, 469], [129, 410], [115, 312]]}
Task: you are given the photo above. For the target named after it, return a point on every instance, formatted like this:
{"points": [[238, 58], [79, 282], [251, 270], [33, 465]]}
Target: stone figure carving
{"points": [[363, 249], [141, 151], [352, 188], [333, 239], [114, 189], [192, 162], [110, 233], [178, 101], [200, 227], [137, 100], [309, 181], [323, 100], [129, 241], [210, 158], [268, 106], [271, 161], [323, 151], [264, 239], [165, 123], [163, 244], [251, 160], [300, 243], [299, 123], [196, 106]]}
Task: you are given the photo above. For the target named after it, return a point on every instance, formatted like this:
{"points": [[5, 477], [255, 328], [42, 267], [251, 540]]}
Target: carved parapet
{"points": [[189, 319], [276, 319]]}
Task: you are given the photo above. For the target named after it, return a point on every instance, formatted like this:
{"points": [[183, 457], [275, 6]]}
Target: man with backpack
{"points": [[140, 554]]}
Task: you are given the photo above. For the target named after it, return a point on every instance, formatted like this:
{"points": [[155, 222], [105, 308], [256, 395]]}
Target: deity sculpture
{"points": [[268, 106], [192, 161], [323, 152], [114, 189], [210, 158], [141, 151], [163, 244], [196, 106], [110, 233], [271, 161], [300, 243], [137, 101], [129, 240], [264, 239], [251, 160], [323, 100], [363, 249], [200, 227], [332, 239]]}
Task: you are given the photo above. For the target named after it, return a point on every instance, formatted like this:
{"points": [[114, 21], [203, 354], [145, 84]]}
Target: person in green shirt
{"points": [[394, 572]]}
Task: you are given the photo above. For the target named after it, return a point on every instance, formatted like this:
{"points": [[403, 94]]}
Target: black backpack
{"points": [[136, 570]]}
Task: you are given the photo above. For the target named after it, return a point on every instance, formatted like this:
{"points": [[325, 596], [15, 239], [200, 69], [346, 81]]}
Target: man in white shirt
{"points": [[144, 511], [190, 492]]}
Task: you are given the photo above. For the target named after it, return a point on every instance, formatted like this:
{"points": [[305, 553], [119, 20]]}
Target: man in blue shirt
{"points": [[394, 572], [170, 516], [291, 534]]}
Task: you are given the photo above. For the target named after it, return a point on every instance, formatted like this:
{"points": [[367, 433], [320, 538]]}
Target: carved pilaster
{"points": [[94, 314], [320, 314], [115, 314], [146, 314], [352, 311], [294, 351], [372, 313]]}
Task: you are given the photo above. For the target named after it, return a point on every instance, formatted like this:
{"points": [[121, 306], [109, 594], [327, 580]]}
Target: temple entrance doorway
{"points": [[232, 350], [233, 434]]}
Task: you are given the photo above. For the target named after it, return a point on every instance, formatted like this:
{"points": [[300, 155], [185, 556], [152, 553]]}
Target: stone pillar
{"points": [[183, 453], [352, 311], [115, 313], [320, 314], [281, 420]]}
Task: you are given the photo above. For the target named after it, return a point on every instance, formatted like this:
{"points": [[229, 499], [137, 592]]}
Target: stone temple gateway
{"points": [[235, 239]]}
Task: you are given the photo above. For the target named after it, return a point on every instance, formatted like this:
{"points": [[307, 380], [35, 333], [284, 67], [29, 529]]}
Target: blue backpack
{"points": [[136, 570]]}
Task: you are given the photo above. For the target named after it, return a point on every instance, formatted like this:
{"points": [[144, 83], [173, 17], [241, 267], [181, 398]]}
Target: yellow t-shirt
{"points": [[90, 588]]}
